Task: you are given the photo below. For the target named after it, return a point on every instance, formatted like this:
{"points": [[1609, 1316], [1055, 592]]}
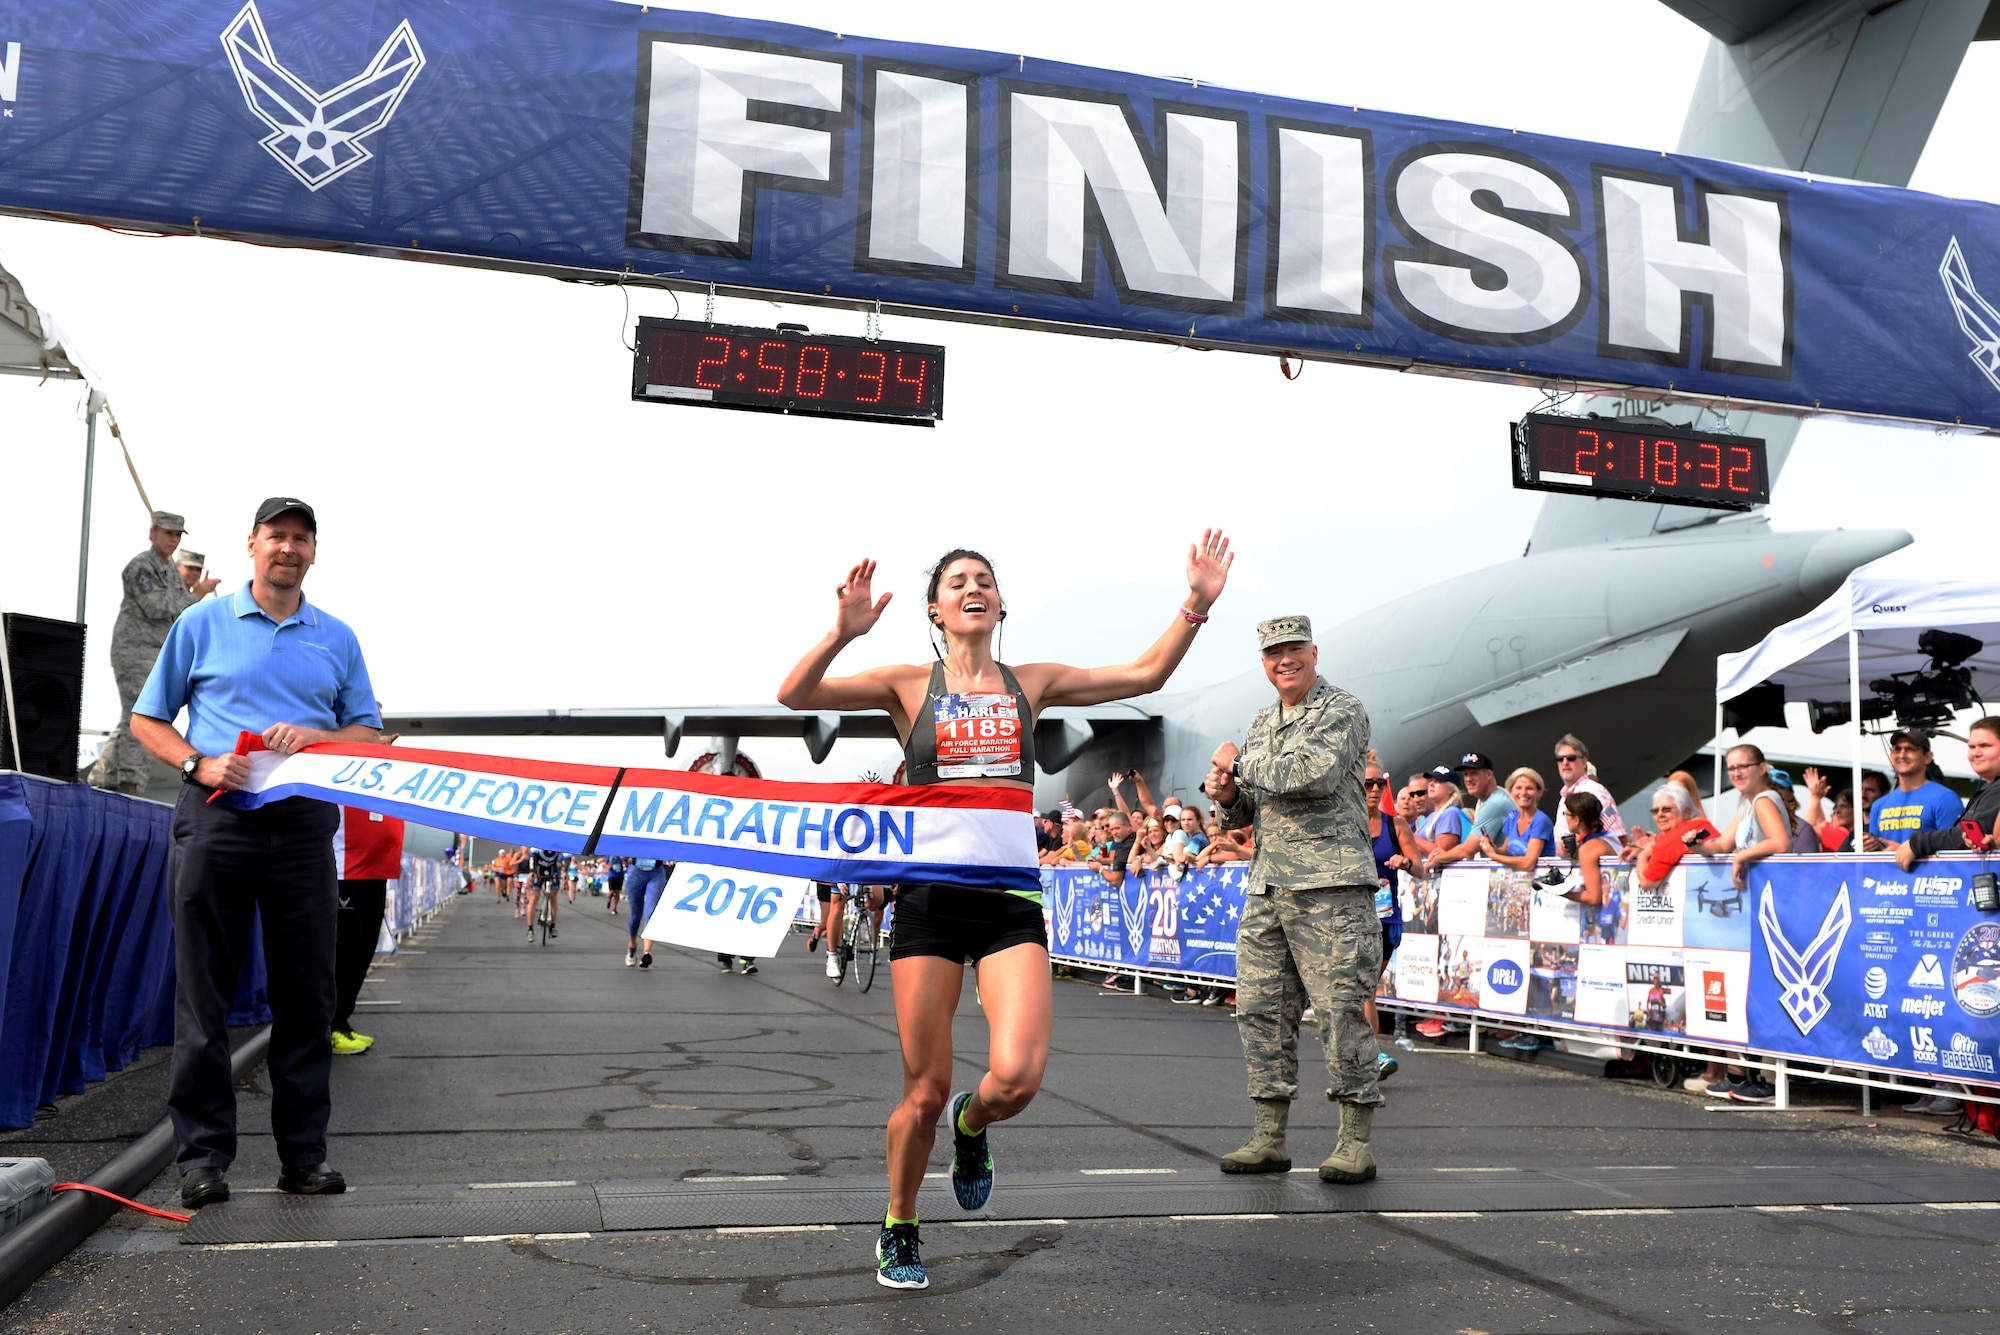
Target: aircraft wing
{"points": [[1061, 733]]}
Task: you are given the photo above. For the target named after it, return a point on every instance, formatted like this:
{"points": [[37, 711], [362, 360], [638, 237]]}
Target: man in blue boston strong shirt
{"points": [[1916, 804]]}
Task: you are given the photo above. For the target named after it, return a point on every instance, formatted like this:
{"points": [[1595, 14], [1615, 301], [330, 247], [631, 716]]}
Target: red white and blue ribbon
{"points": [[878, 833]]}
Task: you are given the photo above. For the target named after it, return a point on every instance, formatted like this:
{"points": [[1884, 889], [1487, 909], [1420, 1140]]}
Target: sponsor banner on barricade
{"points": [[1184, 926], [1839, 959], [715, 908], [868, 832]]}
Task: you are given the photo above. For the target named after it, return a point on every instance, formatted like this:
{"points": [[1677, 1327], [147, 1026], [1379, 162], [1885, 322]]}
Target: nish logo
{"points": [[317, 136], [1928, 973], [1923, 1047], [10, 78]]}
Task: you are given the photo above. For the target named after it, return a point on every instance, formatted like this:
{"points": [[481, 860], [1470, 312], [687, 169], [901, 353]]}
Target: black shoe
{"points": [[204, 1186], [314, 1179], [552, 931], [646, 960], [748, 968], [725, 966]]}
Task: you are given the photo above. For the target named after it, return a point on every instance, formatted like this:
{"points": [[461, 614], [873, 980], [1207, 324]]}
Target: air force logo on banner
{"points": [[1979, 321], [318, 135], [1804, 975]]}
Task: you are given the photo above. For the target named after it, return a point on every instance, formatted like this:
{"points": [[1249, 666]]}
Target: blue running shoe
{"points": [[971, 1161], [898, 1265], [1386, 1066]]}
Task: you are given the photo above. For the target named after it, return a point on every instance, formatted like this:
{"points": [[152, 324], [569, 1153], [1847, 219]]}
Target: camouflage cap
{"points": [[1284, 630], [184, 557], [169, 521]]}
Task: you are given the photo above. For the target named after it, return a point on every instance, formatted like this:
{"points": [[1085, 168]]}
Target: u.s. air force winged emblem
{"points": [[318, 135], [1804, 975], [1976, 318]]}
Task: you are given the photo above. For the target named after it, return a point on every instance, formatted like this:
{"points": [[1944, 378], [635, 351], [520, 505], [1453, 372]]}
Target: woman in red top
{"points": [[1681, 824]]}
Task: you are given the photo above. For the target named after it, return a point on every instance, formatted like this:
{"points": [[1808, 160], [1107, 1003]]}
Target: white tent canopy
{"points": [[1885, 605], [1867, 629]]}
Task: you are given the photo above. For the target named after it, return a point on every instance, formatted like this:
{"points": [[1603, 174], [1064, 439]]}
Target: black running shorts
{"points": [[963, 925]]}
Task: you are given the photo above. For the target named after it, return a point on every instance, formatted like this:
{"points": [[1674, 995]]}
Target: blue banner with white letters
{"points": [[591, 138]]}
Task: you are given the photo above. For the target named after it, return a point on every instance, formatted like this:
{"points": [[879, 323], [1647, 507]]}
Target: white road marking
{"points": [[1475, 1170], [267, 1246], [1623, 1210], [754, 1177], [498, 1237], [560, 1237], [1782, 1209], [501, 1186], [1004, 1223], [365, 1002], [1429, 1214], [1640, 1167], [778, 1228], [929, 1176], [1964, 1205], [1200, 1218], [1129, 1172]]}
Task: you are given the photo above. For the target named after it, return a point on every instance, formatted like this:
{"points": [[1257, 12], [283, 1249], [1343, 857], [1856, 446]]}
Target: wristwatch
{"points": [[1236, 768], [190, 765]]}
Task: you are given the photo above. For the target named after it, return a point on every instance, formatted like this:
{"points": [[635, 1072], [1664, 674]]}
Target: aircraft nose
{"points": [[1830, 559]]}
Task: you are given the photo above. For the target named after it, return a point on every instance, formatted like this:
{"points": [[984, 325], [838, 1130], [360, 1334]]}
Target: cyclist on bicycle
{"points": [[545, 868]]}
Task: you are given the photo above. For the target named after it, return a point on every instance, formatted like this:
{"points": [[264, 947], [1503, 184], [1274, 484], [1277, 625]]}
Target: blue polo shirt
{"points": [[236, 670]]}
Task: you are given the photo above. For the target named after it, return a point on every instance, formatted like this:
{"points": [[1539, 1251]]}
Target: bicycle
{"points": [[545, 913], [860, 939]]}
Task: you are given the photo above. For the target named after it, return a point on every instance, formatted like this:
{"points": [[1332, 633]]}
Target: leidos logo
{"points": [[10, 78], [318, 135]]}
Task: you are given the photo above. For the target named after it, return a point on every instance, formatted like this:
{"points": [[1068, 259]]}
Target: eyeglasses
{"points": [[1742, 769], [1567, 760], [1667, 810], [1374, 783]]}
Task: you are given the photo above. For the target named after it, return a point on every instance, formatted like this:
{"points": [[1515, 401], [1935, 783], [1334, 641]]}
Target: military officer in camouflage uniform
{"points": [[1309, 931], [154, 595]]}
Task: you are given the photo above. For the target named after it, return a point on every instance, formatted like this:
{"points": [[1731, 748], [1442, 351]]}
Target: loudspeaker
{"points": [[45, 658]]}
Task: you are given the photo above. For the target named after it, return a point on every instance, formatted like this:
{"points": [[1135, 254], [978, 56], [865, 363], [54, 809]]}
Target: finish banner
{"points": [[587, 137], [872, 832]]}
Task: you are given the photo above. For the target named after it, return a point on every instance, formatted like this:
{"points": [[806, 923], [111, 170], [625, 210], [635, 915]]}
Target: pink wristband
{"points": [[1194, 618]]}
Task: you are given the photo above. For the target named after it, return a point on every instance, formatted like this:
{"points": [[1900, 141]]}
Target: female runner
{"points": [[938, 927]]}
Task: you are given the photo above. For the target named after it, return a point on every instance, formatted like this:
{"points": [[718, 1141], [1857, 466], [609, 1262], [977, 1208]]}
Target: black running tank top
{"points": [[975, 736]]}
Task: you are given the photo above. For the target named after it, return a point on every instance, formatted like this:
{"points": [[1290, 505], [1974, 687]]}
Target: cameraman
{"points": [[1982, 748]]}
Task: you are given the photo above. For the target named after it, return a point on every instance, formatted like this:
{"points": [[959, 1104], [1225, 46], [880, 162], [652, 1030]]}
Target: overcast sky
{"points": [[504, 528]]}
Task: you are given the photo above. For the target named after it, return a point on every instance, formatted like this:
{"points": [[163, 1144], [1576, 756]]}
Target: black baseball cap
{"points": [[1475, 760], [1916, 737], [273, 506], [1443, 774]]}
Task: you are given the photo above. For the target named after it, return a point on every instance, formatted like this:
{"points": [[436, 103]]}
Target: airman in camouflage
{"points": [[155, 594], [1309, 933]]}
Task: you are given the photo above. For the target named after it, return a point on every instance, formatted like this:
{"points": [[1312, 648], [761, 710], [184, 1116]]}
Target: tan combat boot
{"points": [[1266, 1151], [1353, 1158]]}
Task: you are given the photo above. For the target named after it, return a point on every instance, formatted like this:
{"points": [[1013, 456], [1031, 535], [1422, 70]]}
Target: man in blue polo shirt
{"points": [[1916, 804], [261, 660]]}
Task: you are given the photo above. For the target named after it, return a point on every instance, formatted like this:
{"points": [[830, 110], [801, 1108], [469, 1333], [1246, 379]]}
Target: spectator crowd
{"points": [[1462, 810]]}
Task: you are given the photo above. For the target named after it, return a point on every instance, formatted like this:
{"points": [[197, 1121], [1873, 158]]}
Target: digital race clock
{"points": [[1602, 456], [787, 370]]}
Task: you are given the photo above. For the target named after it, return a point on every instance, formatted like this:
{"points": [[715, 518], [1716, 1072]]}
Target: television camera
{"points": [[1926, 698]]}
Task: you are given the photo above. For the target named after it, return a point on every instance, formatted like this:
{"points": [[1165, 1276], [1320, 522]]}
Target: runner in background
{"points": [[368, 853], [544, 878], [968, 718], [614, 882], [832, 915], [644, 880]]}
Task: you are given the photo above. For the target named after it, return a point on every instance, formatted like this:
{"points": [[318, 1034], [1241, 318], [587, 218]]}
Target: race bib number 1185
{"points": [[978, 736]]}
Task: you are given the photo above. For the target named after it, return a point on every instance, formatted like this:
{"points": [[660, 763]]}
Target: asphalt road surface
{"points": [[543, 1140]]}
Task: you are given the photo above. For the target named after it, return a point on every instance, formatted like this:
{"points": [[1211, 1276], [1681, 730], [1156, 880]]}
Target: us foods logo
{"points": [[317, 136]]}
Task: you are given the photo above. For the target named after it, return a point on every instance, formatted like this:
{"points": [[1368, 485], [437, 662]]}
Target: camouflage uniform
{"points": [[154, 596], [1309, 931]]}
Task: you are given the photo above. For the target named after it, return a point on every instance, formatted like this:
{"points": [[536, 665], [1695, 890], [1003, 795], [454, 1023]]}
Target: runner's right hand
{"points": [[857, 615]]}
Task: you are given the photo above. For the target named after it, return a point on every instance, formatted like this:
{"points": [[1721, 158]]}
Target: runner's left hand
{"points": [[1208, 569]]}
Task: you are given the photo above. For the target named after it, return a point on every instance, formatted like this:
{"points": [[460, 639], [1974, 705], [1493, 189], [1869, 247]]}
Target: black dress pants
{"points": [[359, 930], [278, 861]]}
